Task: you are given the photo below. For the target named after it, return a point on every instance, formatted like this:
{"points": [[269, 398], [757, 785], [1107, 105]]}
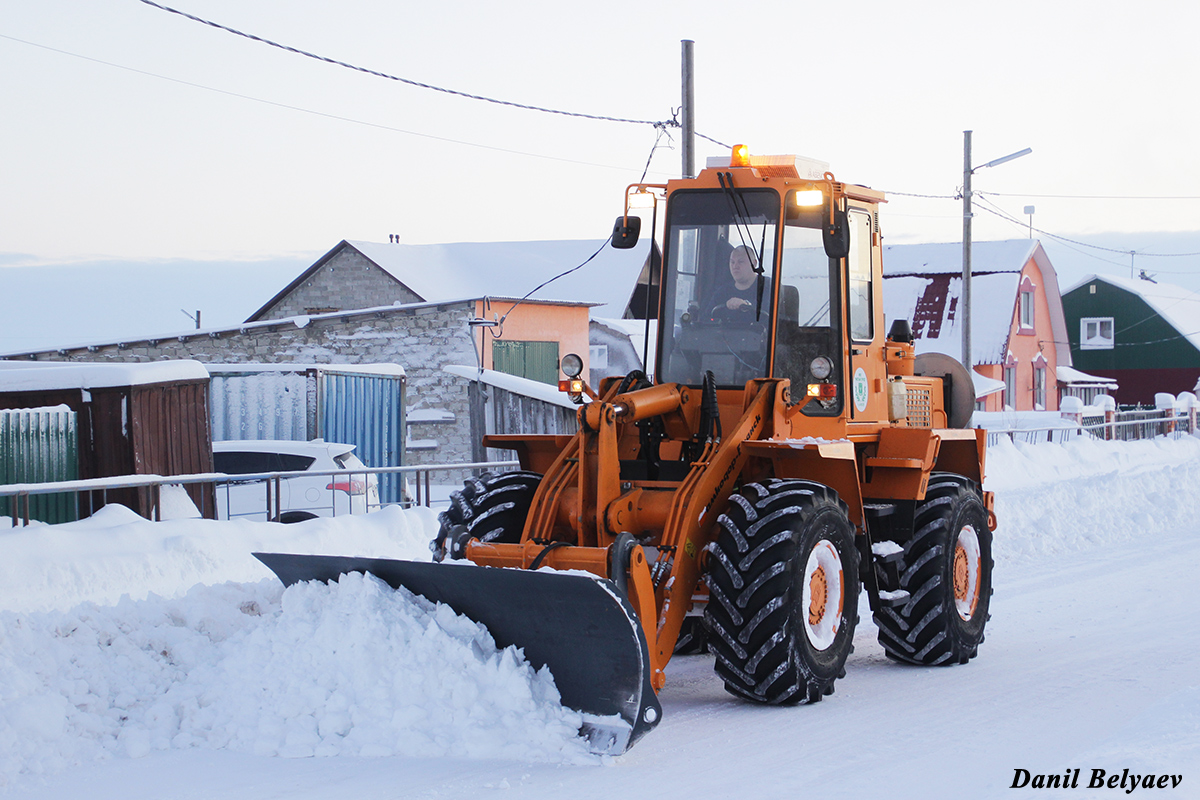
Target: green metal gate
{"points": [[39, 445], [537, 361]]}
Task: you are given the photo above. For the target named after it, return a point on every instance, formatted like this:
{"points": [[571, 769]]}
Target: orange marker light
{"points": [[740, 157]]}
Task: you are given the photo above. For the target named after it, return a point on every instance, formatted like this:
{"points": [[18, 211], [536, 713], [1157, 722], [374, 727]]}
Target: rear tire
{"points": [[947, 571], [784, 592], [490, 508]]}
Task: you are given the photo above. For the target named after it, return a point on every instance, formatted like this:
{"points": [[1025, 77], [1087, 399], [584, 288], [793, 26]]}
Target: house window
{"points": [[1096, 333], [1026, 309], [599, 356], [537, 361], [1010, 387], [1039, 388]]}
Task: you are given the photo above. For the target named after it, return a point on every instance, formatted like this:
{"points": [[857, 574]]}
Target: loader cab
{"points": [[779, 324]]}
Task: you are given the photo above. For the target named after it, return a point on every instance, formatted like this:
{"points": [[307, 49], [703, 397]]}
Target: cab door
{"points": [[864, 384]]}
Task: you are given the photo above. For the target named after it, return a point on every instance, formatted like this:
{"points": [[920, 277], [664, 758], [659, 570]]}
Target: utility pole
{"points": [[687, 111], [965, 306]]}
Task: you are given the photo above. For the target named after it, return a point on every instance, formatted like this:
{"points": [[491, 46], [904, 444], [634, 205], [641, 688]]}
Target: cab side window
{"points": [[859, 268]]}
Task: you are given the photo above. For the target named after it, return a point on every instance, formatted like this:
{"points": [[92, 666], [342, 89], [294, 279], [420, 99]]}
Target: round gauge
{"points": [[821, 368]]}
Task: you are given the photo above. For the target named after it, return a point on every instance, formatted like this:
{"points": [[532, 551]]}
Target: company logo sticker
{"points": [[860, 390]]}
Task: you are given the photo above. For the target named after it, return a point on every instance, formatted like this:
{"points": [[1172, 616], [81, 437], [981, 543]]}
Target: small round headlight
{"points": [[821, 368], [572, 365]]}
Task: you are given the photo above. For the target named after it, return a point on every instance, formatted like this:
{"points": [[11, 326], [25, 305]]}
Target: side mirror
{"points": [[837, 236], [625, 232]]}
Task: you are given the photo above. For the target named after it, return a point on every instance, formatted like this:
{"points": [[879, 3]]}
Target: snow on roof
{"points": [[357, 369], [19, 376], [299, 321], [1074, 377], [514, 384], [1178, 306], [924, 285], [438, 272], [985, 385], [1009, 255], [930, 304]]}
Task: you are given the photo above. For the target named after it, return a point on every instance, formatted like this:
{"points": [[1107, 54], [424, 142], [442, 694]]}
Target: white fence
{"points": [[1174, 416]]}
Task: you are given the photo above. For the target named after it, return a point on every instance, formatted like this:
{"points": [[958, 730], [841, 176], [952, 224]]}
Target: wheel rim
{"points": [[967, 562], [822, 603]]}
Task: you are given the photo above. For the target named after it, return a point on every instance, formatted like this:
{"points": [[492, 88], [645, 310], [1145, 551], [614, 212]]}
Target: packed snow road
{"points": [[241, 690]]}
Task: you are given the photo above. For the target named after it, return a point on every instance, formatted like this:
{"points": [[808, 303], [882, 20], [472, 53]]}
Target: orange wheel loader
{"points": [[786, 453]]}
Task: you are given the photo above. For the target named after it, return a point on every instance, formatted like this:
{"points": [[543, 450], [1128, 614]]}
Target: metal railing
{"points": [[1119, 426], [21, 493]]}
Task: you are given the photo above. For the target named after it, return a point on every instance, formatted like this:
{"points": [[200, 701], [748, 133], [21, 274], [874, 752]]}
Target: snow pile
{"points": [[1056, 498], [349, 670], [121, 638], [116, 552]]}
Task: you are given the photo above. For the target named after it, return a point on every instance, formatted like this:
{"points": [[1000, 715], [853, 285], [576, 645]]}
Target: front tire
{"points": [[947, 572], [490, 508], [784, 592]]}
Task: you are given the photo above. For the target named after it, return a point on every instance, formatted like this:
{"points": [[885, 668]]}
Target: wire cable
{"points": [[586, 261], [927, 196], [999, 212], [674, 123], [1092, 196], [326, 115], [408, 81]]}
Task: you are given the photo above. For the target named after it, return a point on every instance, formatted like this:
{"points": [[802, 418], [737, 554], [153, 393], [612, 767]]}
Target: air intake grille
{"points": [[920, 411]]}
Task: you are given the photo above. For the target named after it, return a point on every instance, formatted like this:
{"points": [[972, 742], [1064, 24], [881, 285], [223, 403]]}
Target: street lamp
{"points": [[968, 171]]}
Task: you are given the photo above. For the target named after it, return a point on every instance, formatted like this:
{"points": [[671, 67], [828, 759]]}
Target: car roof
{"points": [[314, 448]]}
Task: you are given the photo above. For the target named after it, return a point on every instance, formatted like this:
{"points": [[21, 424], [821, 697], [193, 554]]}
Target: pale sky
{"points": [[105, 161]]}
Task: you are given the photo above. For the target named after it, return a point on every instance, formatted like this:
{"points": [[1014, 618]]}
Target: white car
{"points": [[301, 497]]}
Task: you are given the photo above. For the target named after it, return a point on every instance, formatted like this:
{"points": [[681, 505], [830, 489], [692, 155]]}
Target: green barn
{"points": [[1144, 334]]}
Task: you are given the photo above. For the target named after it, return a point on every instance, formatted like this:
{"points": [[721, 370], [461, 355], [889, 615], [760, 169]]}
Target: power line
{"points": [[408, 81], [1093, 196], [997, 211], [586, 261], [674, 123], [927, 196], [324, 114]]}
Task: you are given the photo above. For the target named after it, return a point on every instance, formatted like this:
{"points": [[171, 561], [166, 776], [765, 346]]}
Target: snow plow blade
{"points": [[578, 625]]}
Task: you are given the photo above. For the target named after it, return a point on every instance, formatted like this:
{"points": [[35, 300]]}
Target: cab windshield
{"points": [[718, 298]]}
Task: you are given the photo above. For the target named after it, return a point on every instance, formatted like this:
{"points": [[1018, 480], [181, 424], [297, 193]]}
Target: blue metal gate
{"points": [[367, 411]]}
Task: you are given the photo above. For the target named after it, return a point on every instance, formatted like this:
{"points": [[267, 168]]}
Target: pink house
{"points": [[1018, 331]]}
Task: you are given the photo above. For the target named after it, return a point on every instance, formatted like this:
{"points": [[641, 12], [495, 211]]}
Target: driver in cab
{"points": [[742, 296]]}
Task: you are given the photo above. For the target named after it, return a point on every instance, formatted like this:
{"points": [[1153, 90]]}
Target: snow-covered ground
{"points": [[159, 660]]}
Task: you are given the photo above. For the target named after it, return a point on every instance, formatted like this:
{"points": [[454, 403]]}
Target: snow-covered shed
{"points": [[132, 419], [1018, 332], [1143, 334]]}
